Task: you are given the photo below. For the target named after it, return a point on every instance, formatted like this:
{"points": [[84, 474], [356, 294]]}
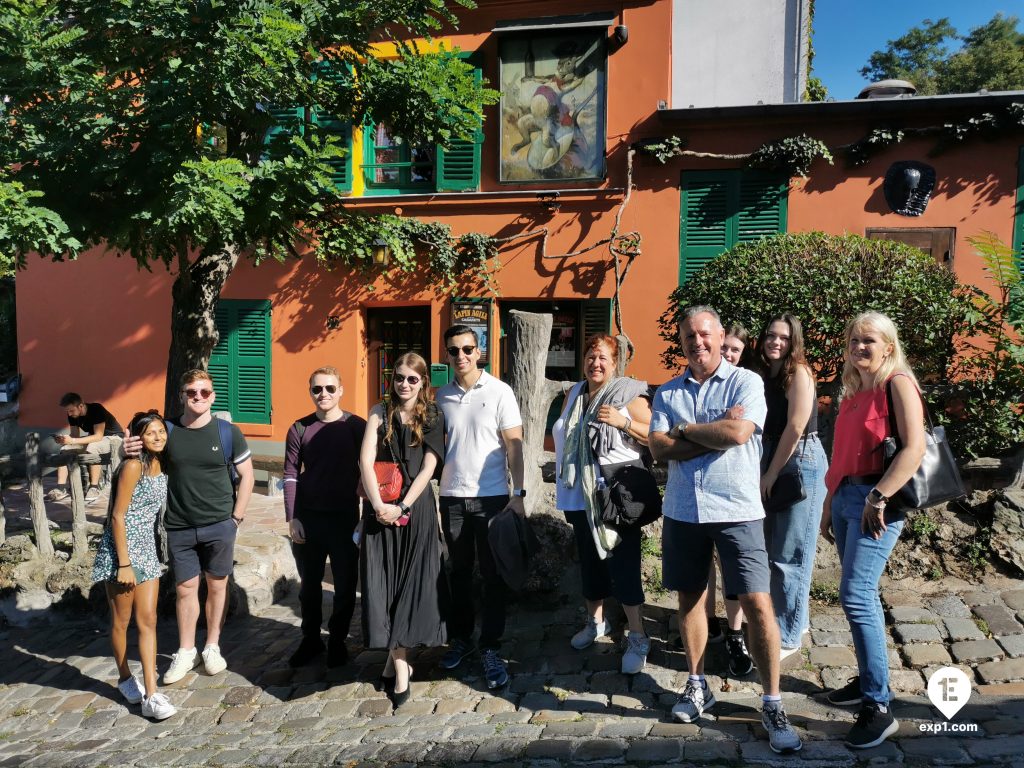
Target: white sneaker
{"points": [[785, 653], [638, 645], [131, 690], [158, 707], [693, 701], [586, 636], [181, 664], [213, 661], [57, 494], [92, 495]]}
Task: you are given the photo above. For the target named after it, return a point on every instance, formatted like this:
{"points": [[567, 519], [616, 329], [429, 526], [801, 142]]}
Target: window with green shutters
{"points": [[290, 120], [392, 167], [240, 363], [722, 208], [341, 167]]}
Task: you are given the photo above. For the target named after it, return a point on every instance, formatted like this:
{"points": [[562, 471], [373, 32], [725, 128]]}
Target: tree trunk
{"points": [[36, 505], [529, 338], [1017, 463], [195, 294], [79, 539]]}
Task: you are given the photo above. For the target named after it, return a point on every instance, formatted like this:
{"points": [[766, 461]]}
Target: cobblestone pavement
{"points": [[59, 705]]}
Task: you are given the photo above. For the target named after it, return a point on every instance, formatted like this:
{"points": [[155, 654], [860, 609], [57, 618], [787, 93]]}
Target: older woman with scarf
{"points": [[604, 423]]}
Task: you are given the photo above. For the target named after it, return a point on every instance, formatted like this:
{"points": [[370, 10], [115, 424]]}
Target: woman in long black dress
{"points": [[404, 588]]}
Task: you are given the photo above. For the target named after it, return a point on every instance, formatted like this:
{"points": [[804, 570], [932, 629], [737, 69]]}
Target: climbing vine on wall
{"points": [[796, 153], [414, 245]]}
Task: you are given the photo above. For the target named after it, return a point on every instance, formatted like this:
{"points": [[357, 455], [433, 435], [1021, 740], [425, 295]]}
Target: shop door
{"points": [[391, 333]]}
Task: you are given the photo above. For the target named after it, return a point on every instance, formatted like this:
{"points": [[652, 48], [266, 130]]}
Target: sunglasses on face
{"points": [[466, 350], [317, 389], [412, 380], [202, 394]]}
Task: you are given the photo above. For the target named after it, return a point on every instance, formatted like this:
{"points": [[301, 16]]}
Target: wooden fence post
{"points": [[33, 471]]}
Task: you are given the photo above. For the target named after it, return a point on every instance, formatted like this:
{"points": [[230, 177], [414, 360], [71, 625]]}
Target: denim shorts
{"points": [[209, 549], [686, 551]]}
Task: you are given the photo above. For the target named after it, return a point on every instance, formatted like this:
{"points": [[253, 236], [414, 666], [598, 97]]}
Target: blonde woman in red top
{"points": [[855, 516]]}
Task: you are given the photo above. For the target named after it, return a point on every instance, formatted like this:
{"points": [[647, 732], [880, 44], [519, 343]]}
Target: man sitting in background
{"points": [[90, 425]]}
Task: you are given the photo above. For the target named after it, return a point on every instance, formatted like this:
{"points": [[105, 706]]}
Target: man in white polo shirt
{"points": [[484, 444]]}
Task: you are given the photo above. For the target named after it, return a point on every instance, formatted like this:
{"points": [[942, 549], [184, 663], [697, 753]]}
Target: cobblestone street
{"points": [[59, 705]]}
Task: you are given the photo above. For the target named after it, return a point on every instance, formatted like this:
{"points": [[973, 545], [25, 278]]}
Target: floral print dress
{"points": [[147, 499]]}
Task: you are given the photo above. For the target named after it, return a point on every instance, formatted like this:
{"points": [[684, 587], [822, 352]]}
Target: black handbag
{"points": [[937, 480], [789, 485], [630, 496]]}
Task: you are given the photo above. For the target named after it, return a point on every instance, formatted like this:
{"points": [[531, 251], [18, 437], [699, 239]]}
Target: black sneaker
{"points": [[337, 653], [308, 649], [740, 662], [873, 726], [715, 633], [495, 670], [458, 649], [848, 695]]}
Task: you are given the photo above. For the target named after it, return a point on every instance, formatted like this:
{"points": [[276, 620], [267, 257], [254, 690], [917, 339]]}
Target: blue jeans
{"points": [[791, 537], [863, 559]]}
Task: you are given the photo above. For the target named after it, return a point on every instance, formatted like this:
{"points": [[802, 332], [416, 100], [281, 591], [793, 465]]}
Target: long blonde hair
{"points": [[896, 362], [424, 411]]}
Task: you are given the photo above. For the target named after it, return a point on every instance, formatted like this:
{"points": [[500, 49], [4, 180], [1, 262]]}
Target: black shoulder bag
{"points": [[937, 480]]}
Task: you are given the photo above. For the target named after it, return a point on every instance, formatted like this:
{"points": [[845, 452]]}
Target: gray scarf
{"points": [[582, 433]]}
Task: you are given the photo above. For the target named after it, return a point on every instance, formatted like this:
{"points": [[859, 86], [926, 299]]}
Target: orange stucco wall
{"points": [[100, 327]]}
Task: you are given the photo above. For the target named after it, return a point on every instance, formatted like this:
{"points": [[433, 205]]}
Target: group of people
{"points": [[737, 431], [748, 485]]}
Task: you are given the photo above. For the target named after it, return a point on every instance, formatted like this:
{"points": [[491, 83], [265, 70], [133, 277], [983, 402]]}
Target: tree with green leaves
{"points": [[194, 133], [938, 60]]}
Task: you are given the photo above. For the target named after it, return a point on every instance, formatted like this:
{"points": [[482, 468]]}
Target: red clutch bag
{"points": [[389, 481]]}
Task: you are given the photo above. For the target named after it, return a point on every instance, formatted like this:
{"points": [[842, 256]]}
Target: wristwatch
{"points": [[877, 496], [681, 429], [404, 507], [520, 492]]}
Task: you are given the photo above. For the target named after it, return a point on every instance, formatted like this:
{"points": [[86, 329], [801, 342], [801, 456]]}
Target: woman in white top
{"points": [[604, 422]]}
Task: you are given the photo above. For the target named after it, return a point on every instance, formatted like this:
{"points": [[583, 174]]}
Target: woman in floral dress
{"points": [[127, 561]]}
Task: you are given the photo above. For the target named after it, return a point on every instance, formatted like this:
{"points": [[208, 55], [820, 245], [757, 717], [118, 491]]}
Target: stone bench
{"points": [[274, 467]]}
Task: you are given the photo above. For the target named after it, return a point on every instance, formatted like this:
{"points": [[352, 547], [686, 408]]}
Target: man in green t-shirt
{"points": [[204, 510]]}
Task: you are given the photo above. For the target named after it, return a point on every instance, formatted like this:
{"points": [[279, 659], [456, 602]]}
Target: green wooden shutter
{"points": [[341, 167], [287, 121], [1018, 213], [220, 359], [719, 209], [458, 167], [240, 363], [762, 207], [595, 317], [706, 228]]}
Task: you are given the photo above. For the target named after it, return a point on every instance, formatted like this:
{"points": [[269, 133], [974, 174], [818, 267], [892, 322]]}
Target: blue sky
{"points": [[847, 33]]}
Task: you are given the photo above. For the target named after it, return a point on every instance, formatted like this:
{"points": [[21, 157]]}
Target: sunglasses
{"points": [[202, 394], [317, 389], [466, 350], [399, 378]]}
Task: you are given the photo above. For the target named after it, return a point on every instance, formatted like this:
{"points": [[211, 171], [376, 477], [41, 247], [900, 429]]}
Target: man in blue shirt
{"points": [[707, 426]]}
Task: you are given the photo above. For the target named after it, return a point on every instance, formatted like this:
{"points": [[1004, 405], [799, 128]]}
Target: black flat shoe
{"points": [[385, 683], [398, 699]]}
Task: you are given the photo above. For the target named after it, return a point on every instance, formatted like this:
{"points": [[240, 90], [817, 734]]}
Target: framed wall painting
{"points": [[553, 105]]}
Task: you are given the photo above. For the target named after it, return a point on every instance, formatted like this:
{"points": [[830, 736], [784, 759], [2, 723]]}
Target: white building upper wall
{"points": [[735, 52]]}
